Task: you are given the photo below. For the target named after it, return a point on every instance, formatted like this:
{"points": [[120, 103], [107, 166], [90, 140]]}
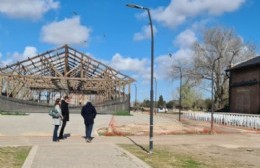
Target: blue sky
{"points": [[119, 36]]}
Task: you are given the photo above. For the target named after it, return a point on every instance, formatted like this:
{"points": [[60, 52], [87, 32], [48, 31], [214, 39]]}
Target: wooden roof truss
{"points": [[64, 69]]}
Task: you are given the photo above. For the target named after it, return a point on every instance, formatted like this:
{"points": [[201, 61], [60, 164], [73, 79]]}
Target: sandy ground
{"points": [[219, 156], [213, 153], [164, 124]]}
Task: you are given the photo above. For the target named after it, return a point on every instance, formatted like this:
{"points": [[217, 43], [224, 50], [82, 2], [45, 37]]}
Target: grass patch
{"points": [[13, 156], [13, 113], [162, 157], [122, 113]]}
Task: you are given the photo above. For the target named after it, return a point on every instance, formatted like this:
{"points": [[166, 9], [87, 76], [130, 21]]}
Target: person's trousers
{"points": [[62, 129], [55, 133], [89, 128]]}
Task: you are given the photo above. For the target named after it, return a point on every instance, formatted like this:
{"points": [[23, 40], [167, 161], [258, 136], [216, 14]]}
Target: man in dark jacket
{"points": [[88, 112], [65, 115]]}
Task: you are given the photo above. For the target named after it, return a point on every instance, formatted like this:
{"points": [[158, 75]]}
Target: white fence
{"points": [[236, 119]]}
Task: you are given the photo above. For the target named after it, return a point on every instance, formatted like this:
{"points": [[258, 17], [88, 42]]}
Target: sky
{"points": [[119, 36]]}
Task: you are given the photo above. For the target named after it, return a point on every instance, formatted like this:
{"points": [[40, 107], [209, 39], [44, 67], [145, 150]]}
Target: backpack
{"points": [[54, 113]]}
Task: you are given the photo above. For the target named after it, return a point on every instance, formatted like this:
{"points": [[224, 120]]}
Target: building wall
{"points": [[244, 93], [17, 105], [245, 75]]}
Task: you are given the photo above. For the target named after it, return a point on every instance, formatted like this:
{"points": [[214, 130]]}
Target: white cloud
{"points": [[140, 69], [67, 31], [145, 33], [164, 63], [162, 66], [31, 9], [185, 39], [29, 51], [7, 62], [127, 64], [179, 11], [1, 64], [137, 67], [183, 55]]}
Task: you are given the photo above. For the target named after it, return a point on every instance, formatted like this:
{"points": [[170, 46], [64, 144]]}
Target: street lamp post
{"points": [[212, 94], [155, 99], [152, 65], [180, 99], [135, 95]]}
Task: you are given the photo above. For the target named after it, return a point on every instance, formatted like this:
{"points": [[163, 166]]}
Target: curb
{"points": [[29, 160], [135, 159]]}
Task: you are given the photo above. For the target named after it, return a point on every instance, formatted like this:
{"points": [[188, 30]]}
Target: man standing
{"points": [[65, 115], [88, 112]]}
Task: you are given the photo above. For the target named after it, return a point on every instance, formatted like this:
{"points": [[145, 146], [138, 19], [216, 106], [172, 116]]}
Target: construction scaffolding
{"points": [[63, 71]]}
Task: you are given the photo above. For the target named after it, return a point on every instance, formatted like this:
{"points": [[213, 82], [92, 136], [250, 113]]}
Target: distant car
{"points": [[162, 110]]}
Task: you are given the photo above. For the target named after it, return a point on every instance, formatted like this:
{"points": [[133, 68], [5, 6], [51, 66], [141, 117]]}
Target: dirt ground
{"points": [[212, 153], [214, 156], [185, 126]]}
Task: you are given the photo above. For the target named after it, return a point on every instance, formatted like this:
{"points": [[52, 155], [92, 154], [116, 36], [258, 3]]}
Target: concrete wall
{"points": [[16, 105], [113, 106]]}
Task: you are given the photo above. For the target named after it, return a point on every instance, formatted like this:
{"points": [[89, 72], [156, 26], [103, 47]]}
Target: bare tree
{"points": [[186, 93], [220, 49], [181, 67]]}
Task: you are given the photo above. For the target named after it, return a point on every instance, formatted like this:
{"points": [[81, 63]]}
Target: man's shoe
{"points": [[88, 140]]}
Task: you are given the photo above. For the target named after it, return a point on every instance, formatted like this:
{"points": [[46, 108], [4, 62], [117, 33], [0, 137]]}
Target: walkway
{"points": [[36, 129]]}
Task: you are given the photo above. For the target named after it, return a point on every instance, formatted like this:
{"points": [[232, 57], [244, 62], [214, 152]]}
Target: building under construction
{"points": [[64, 71]]}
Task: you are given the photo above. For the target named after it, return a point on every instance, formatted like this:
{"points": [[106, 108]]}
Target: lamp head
{"points": [[134, 6]]}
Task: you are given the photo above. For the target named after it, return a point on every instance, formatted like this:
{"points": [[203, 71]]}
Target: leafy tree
{"points": [[188, 96], [208, 104], [191, 97], [169, 104], [146, 103], [161, 102], [199, 105]]}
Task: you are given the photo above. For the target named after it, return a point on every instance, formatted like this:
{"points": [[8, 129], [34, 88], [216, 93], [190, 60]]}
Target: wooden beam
{"points": [[45, 60]]}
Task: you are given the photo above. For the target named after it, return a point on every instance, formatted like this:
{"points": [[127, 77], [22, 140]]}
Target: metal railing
{"points": [[235, 119]]}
